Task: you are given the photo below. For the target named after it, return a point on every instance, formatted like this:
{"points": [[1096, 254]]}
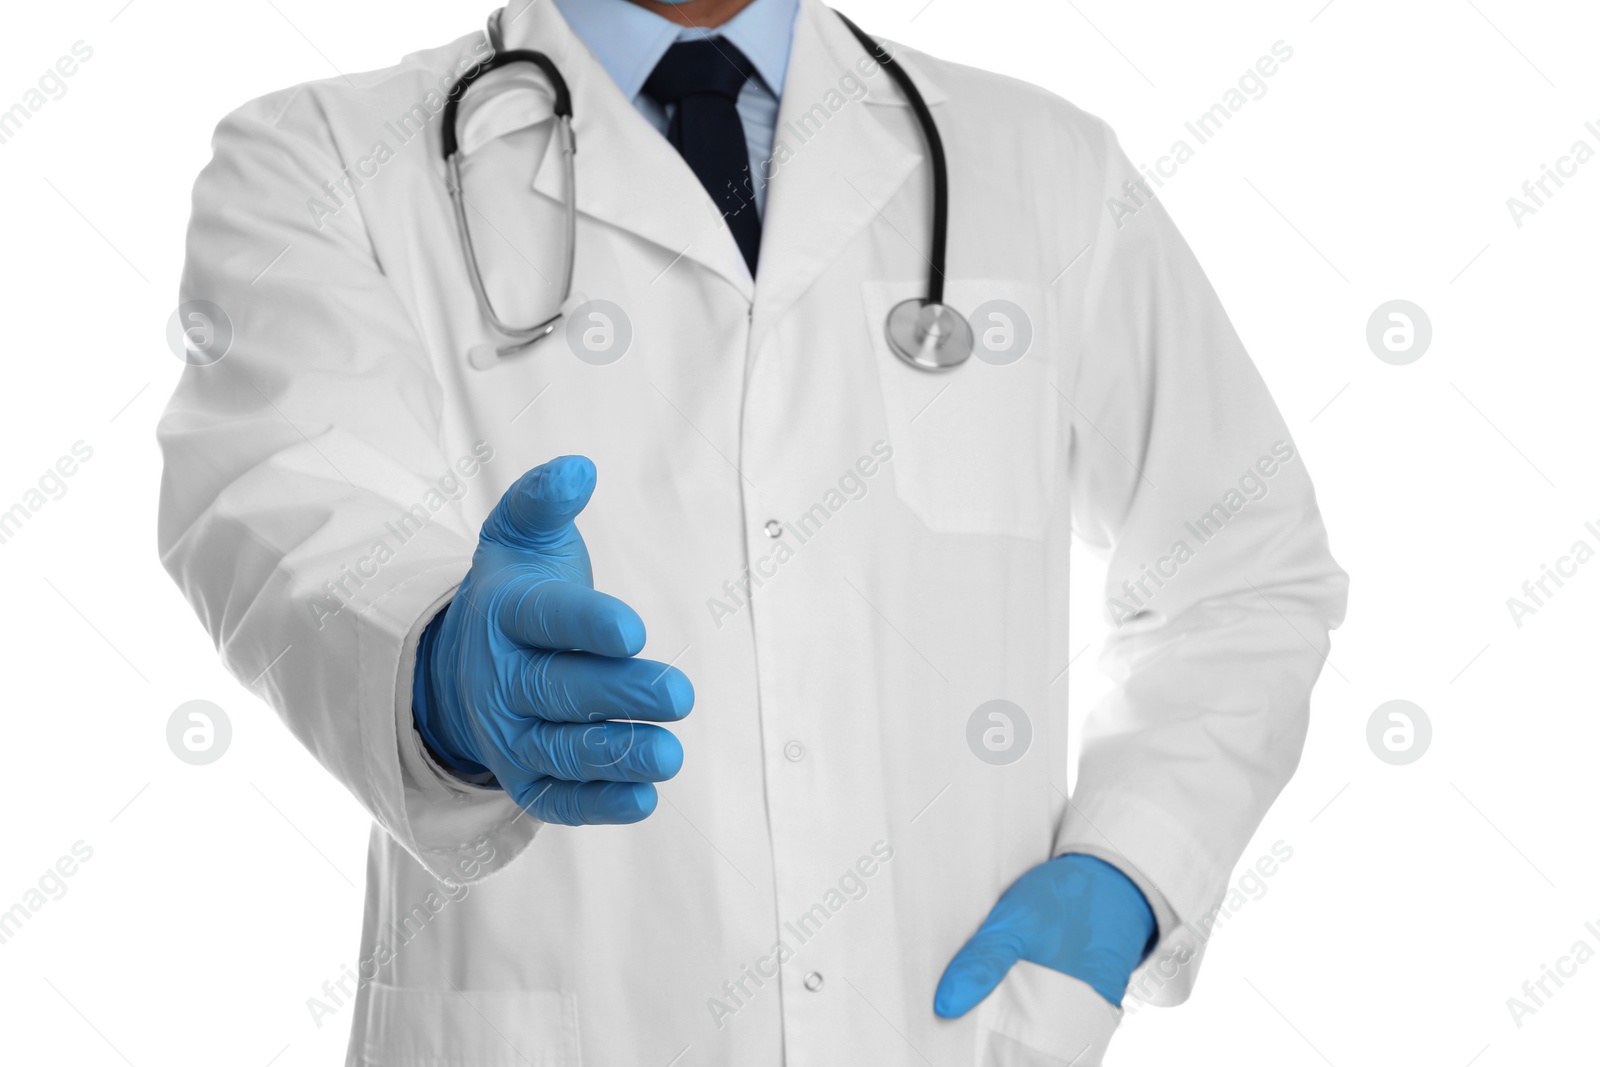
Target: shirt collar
{"points": [[629, 41]]}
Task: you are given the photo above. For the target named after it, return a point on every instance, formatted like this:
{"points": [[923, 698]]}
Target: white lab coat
{"points": [[832, 825]]}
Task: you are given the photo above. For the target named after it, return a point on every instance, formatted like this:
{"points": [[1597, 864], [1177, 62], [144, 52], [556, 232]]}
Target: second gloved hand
{"points": [[1074, 914], [528, 672]]}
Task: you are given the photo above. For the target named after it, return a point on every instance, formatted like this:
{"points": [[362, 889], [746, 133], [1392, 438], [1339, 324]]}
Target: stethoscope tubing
{"points": [[925, 333], [936, 160], [523, 335]]}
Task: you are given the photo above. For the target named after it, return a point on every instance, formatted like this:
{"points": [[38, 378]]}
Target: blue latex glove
{"points": [[525, 673], [1074, 914]]}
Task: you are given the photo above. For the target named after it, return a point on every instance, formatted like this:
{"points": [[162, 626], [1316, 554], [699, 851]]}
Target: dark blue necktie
{"points": [[703, 78]]}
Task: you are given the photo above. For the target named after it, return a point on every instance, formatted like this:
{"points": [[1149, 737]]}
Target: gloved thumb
{"points": [[538, 510], [977, 969]]}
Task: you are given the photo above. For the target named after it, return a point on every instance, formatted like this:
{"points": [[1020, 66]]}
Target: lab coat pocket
{"points": [[470, 1028], [975, 445], [1043, 1018]]}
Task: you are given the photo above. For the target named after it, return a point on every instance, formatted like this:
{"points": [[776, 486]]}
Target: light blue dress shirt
{"points": [[629, 41]]}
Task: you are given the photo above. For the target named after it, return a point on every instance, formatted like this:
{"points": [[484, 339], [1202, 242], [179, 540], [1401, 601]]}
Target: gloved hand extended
{"points": [[1074, 914], [527, 672]]}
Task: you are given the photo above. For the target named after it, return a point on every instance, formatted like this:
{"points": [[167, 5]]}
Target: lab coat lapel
{"points": [[835, 161], [628, 175]]}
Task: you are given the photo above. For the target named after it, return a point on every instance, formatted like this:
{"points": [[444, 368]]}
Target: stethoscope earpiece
{"points": [[928, 336], [486, 355]]}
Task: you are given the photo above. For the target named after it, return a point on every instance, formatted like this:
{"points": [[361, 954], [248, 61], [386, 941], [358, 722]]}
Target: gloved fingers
{"points": [[585, 803], [548, 613], [598, 752], [579, 687], [539, 508], [975, 971]]}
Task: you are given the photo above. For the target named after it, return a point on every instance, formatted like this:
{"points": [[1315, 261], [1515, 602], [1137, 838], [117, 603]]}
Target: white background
{"points": [[1377, 166]]}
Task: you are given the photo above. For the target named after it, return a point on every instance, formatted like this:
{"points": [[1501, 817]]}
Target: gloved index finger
{"points": [[542, 612]]}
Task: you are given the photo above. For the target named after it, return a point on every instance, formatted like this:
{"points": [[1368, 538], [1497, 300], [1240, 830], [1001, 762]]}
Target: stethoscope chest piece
{"points": [[928, 336]]}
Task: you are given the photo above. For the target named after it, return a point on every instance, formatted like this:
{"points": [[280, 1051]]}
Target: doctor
{"points": [[485, 593]]}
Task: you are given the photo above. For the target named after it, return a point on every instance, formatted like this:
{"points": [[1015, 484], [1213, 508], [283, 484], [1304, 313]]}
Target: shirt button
{"points": [[794, 752], [814, 981], [774, 528]]}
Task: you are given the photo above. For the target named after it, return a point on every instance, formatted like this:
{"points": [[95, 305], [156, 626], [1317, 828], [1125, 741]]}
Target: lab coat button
{"points": [[774, 528], [794, 752], [813, 981]]}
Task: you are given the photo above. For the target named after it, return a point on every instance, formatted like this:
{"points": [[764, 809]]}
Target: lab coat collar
{"points": [[626, 39], [839, 157], [627, 174], [827, 183]]}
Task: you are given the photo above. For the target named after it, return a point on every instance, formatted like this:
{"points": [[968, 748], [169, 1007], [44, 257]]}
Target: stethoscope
{"points": [[924, 331], [487, 355]]}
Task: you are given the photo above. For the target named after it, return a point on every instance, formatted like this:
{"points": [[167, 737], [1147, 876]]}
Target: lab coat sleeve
{"points": [[1221, 590], [308, 512]]}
